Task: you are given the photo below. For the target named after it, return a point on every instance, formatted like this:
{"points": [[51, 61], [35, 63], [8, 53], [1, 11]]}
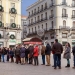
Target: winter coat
{"points": [[22, 52], [57, 48], [17, 51], [48, 49], [36, 51], [26, 52], [31, 50], [67, 53], [73, 50], [4, 52], [11, 53], [43, 50]]}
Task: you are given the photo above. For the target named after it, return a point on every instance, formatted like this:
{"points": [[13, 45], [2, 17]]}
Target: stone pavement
{"points": [[17, 69]]}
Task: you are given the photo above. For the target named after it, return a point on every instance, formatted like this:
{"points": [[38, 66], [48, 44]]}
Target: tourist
{"points": [[43, 53], [11, 53], [74, 56], [30, 55], [48, 53], [26, 54], [22, 55], [17, 54], [67, 54], [35, 54], [58, 50]]}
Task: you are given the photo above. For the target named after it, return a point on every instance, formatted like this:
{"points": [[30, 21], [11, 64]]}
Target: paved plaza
{"points": [[17, 69]]}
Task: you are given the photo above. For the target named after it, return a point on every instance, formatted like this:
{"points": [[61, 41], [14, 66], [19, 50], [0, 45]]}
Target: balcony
{"points": [[51, 5], [64, 27], [73, 16], [51, 16], [1, 8], [65, 15], [41, 10], [45, 8], [64, 3], [13, 11]]}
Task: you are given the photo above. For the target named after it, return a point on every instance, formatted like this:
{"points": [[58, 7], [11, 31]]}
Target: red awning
{"points": [[33, 43]]}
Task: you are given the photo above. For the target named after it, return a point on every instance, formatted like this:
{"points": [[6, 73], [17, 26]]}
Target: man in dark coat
{"points": [[17, 54], [58, 50], [47, 53], [31, 49], [73, 50]]}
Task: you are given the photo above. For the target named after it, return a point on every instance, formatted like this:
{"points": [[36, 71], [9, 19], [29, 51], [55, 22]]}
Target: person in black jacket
{"points": [[73, 50], [47, 53]]}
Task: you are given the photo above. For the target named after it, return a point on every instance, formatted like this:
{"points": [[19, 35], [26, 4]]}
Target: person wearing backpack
{"points": [[73, 51]]}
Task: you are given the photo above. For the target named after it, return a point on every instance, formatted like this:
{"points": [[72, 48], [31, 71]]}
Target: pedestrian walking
{"points": [[43, 53], [7, 49], [73, 51], [22, 55], [58, 50], [48, 53], [35, 54], [67, 54]]}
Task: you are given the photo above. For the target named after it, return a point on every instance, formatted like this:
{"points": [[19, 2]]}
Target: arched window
{"points": [[64, 23], [73, 23]]}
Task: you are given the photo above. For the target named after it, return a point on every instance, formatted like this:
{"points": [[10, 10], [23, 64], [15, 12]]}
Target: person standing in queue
{"points": [[43, 53], [48, 53], [58, 50], [17, 54]]}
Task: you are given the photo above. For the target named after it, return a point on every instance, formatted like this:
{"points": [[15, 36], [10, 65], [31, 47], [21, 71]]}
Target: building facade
{"points": [[55, 17], [24, 27], [10, 22]]}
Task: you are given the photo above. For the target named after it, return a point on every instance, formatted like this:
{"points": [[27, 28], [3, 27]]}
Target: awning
{"points": [[32, 40]]}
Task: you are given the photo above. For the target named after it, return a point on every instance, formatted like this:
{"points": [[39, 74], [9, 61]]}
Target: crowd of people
{"points": [[28, 54]]}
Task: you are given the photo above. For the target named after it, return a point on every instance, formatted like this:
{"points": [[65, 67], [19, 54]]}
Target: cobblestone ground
{"points": [[17, 69]]}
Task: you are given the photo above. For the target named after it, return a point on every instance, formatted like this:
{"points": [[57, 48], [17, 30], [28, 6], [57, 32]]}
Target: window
{"points": [[52, 25], [32, 29], [42, 26], [73, 2], [38, 18], [73, 23], [46, 26], [35, 19], [64, 43], [51, 12], [73, 12], [46, 15], [41, 7], [12, 5], [38, 27], [64, 11], [0, 2], [38, 9], [64, 23], [32, 12], [35, 29], [12, 20], [73, 36], [64, 1], [45, 5], [29, 21], [29, 13], [51, 1], [0, 17], [41, 16], [64, 35], [46, 38], [29, 30]]}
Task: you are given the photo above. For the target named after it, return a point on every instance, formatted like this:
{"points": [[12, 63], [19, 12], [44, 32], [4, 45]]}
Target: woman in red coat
{"points": [[35, 54]]}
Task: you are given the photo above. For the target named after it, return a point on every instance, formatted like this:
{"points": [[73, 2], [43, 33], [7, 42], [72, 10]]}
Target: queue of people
{"points": [[28, 54]]}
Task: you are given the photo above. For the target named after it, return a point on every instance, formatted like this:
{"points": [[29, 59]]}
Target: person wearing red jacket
{"points": [[35, 54]]}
